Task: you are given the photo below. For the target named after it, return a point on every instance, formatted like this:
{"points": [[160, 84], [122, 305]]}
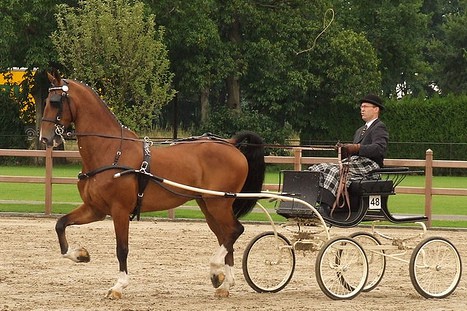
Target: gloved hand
{"points": [[349, 150], [338, 145]]}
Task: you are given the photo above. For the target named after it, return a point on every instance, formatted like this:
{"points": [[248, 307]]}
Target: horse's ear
{"points": [[54, 77], [50, 77]]}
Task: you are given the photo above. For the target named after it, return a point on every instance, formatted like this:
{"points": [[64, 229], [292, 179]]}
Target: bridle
{"points": [[56, 100]]}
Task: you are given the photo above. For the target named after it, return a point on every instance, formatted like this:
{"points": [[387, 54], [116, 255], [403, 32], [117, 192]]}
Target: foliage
{"points": [[25, 27], [448, 52], [114, 46], [416, 120], [397, 30], [19, 91], [226, 122], [11, 128], [297, 62], [289, 58]]}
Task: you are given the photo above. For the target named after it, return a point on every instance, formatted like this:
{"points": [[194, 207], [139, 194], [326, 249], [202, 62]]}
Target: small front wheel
{"points": [[268, 262], [435, 268], [341, 268]]}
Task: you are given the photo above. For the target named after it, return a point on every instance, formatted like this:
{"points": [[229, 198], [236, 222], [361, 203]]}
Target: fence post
{"points": [[48, 180], [297, 161], [428, 185]]}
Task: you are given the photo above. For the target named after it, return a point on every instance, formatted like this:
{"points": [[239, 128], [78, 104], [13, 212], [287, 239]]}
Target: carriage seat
{"points": [[372, 196], [302, 185]]}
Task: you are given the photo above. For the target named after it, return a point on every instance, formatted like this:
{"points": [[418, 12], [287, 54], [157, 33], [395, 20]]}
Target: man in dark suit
{"points": [[370, 140], [365, 154]]}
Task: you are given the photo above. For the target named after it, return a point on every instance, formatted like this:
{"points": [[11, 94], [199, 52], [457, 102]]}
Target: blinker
{"points": [[56, 100]]}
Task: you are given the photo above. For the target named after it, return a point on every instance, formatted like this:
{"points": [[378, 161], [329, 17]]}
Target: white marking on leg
{"points": [[218, 260], [229, 275], [122, 282], [77, 255]]}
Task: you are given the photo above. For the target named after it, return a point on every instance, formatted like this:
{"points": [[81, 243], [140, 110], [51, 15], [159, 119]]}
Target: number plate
{"points": [[374, 202]]}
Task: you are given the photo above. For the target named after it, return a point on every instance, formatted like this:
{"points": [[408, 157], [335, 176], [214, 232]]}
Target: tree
{"points": [[25, 27], [398, 31], [200, 60], [115, 47], [11, 127], [447, 50], [276, 59]]}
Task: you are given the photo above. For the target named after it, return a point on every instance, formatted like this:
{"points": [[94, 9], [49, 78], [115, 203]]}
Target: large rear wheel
{"points": [[268, 262]]}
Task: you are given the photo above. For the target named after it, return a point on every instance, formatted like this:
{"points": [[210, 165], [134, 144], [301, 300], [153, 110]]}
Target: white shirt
{"points": [[369, 123]]}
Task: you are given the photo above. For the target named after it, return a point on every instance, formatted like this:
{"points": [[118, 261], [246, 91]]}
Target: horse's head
{"points": [[57, 112]]}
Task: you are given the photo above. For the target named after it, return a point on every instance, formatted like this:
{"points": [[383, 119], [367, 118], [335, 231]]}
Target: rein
{"points": [[342, 196]]}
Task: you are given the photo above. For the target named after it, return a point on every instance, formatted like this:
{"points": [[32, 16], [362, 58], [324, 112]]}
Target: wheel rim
{"points": [[268, 263], [342, 269], [435, 268]]}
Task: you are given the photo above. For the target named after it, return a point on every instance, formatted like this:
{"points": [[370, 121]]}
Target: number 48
{"points": [[375, 201]]}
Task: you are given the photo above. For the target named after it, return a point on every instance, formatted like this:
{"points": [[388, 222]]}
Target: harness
{"points": [[56, 100], [142, 176]]}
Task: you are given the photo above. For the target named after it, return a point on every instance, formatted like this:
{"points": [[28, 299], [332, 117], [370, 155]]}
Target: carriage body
{"points": [[367, 198]]}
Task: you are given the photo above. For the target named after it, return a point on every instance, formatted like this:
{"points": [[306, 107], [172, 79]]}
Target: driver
{"points": [[365, 154]]}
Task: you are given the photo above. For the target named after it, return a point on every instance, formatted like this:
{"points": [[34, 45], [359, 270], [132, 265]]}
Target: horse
{"points": [[108, 149]]}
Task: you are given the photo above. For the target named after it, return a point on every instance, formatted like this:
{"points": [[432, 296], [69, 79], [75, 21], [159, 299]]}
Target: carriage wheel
{"points": [[341, 268], [268, 262], [375, 256], [435, 268]]}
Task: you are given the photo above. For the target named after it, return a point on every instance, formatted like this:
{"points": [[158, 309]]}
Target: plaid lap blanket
{"points": [[359, 167]]}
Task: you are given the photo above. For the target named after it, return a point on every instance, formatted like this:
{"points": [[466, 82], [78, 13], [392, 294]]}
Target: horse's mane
{"points": [[101, 101]]}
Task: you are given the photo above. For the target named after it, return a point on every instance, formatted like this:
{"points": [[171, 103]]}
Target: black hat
{"points": [[373, 99]]}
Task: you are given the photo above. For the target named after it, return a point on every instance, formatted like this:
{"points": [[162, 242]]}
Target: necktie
{"points": [[363, 131]]}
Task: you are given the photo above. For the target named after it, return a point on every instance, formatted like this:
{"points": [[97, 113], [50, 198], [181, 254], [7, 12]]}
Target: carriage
{"points": [[348, 265]]}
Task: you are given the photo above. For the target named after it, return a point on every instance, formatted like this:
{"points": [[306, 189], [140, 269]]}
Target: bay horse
{"points": [[108, 148]]}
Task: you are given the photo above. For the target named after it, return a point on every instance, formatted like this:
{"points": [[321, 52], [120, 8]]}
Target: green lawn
{"points": [[66, 197]]}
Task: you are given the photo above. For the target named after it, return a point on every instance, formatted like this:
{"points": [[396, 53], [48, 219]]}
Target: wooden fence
{"points": [[297, 159]]}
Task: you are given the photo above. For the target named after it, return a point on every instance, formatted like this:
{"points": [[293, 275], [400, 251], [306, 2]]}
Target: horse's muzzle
{"points": [[53, 141]]}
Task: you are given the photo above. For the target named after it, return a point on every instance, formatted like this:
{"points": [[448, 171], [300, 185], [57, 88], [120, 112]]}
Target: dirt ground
{"points": [[169, 270]]}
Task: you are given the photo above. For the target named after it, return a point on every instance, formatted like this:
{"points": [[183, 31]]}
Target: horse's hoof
{"points": [[78, 255], [217, 280], [82, 255], [113, 294], [222, 293]]}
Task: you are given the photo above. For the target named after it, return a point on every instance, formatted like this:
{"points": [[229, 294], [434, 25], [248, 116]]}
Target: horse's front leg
{"points": [[79, 216], [121, 225]]}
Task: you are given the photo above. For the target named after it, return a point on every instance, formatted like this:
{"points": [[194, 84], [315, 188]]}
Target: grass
{"points": [[66, 197]]}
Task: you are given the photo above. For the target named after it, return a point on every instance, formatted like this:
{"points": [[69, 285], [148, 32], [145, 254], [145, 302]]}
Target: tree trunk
{"points": [[204, 99], [233, 93], [233, 83]]}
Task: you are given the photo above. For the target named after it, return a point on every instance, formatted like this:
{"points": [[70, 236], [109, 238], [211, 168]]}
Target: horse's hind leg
{"points": [[79, 216], [227, 229]]}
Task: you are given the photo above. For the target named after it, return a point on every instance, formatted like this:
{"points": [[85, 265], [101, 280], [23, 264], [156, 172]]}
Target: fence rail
{"points": [[296, 159]]}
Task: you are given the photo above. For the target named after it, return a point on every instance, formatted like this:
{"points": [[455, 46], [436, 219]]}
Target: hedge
{"points": [[414, 124]]}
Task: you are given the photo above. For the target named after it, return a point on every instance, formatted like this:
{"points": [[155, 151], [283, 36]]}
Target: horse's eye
{"points": [[56, 100]]}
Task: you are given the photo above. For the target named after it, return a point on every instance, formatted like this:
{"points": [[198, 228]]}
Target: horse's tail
{"points": [[252, 146]]}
